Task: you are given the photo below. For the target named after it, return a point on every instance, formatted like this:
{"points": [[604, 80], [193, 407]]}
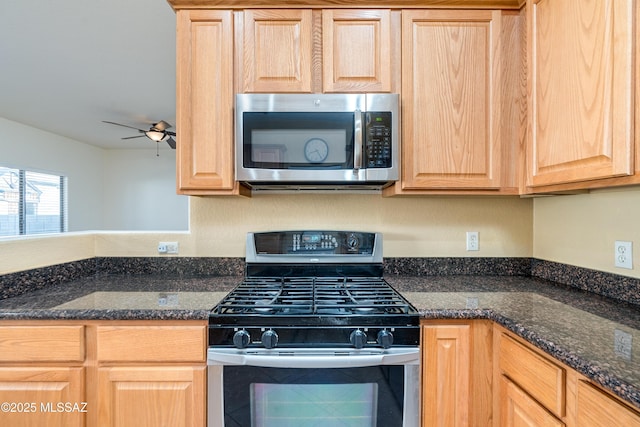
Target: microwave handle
{"points": [[357, 136]]}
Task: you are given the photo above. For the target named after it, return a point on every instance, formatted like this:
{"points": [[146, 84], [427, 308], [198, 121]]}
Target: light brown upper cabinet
{"points": [[304, 51], [581, 91], [277, 49], [454, 82], [204, 101], [357, 50]]}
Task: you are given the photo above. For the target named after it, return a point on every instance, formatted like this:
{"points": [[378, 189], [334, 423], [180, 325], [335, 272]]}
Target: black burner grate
{"points": [[313, 296]]}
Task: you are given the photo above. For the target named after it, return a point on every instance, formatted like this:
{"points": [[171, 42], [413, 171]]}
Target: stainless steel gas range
{"points": [[312, 336]]}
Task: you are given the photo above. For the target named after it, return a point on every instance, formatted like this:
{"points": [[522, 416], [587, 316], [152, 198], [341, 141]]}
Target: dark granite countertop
{"points": [[122, 297], [574, 326]]}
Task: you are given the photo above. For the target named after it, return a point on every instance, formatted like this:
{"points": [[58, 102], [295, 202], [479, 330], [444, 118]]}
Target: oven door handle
{"points": [[335, 359]]}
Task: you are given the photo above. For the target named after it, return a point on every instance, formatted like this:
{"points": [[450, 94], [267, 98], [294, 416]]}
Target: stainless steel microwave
{"points": [[317, 141]]}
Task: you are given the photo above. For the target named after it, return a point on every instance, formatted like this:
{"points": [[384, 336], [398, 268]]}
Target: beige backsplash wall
{"points": [[581, 229], [413, 227]]}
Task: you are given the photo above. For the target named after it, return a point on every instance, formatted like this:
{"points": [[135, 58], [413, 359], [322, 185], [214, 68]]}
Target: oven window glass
{"points": [[349, 397], [309, 405], [298, 140]]}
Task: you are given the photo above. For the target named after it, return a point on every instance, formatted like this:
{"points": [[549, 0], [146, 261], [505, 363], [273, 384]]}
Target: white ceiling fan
{"points": [[157, 132]]}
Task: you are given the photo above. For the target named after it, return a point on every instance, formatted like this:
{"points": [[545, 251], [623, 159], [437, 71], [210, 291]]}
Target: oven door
{"points": [[313, 387]]}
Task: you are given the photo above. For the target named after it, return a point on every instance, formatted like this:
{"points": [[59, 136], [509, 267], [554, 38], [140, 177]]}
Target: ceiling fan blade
{"points": [[170, 133], [171, 142], [161, 126], [124, 126], [131, 137]]}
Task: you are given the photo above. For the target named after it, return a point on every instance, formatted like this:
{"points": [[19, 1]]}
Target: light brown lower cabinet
{"points": [[456, 373], [42, 374], [535, 390], [595, 408], [151, 396], [51, 396], [153, 373], [102, 373]]}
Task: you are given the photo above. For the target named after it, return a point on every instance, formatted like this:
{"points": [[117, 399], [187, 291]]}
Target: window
{"points": [[32, 202]]}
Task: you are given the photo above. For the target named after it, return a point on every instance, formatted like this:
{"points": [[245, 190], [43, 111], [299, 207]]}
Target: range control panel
{"points": [[314, 242]]}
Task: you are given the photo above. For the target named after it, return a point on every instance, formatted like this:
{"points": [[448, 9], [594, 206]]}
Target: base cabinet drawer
{"points": [[130, 343], [537, 375], [38, 343]]}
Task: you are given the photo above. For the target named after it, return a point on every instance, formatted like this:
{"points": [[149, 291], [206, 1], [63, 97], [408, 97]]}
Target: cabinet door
{"points": [[581, 90], [451, 99], [518, 409], [356, 52], [445, 375], [205, 102], [31, 397], [151, 396], [277, 50], [596, 409]]}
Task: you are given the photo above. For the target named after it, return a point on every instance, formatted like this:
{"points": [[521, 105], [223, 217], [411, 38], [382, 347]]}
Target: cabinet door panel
{"points": [[205, 102], [152, 396], [36, 392], [277, 50], [581, 84], [356, 50], [518, 409], [451, 111], [597, 409], [446, 375]]}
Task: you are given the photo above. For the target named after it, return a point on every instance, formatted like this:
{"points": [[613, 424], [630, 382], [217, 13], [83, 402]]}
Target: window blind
{"points": [[32, 202]]}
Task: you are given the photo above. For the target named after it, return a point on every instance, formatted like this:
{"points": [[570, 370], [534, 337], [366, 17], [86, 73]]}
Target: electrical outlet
{"points": [[473, 302], [168, 300], [623, 254], [168, 247], [473, 241], [622, 344]]}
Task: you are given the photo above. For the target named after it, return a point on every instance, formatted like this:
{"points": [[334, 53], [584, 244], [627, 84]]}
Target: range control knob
{"points": [[358, 338], [353, 242], [269, 339], [385, 338], [241, 339]]}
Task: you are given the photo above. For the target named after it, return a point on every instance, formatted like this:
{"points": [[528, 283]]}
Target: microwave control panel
{"points": [[377, 144]]}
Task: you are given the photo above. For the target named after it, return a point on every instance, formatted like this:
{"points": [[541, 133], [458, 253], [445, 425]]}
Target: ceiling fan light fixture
{"points": [[155, 135]]}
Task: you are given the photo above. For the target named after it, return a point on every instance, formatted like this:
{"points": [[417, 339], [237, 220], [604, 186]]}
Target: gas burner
{"points": [[311, 295]]}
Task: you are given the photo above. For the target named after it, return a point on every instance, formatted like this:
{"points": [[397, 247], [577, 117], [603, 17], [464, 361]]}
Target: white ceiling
{"points": [[66, 65]]}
